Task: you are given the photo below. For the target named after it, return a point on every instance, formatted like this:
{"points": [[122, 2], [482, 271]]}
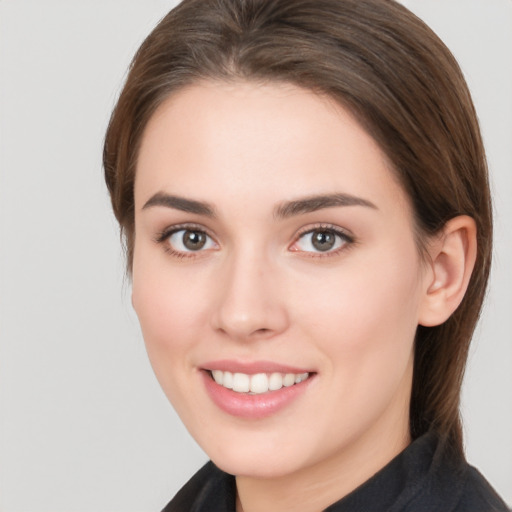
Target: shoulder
{"points": [[428, 476], [455, 486], [478, 496], [210, 489]]}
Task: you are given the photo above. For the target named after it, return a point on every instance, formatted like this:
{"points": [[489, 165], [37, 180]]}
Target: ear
{"points": [[452, 258]]}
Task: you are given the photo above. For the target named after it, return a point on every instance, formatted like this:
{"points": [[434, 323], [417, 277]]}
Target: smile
{"points": [[258, 383], [255, 390]]}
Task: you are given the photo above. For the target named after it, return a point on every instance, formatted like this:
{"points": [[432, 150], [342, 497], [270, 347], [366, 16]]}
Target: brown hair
{"points": [[400, 81]]}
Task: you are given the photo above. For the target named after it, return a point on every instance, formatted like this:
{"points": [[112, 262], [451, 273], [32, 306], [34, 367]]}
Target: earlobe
{"points": [[452, 258]]}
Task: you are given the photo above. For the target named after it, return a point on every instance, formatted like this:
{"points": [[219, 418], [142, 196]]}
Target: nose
{"points": [[250, 302]]}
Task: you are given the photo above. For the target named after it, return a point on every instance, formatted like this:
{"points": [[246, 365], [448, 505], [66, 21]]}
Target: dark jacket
{"points": [[423, 478]]}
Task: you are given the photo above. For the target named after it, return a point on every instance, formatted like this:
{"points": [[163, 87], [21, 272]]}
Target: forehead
{"points": [[253, 140]]}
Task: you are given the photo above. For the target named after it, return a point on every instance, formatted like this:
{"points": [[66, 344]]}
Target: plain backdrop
{"points": [[84, 426]]}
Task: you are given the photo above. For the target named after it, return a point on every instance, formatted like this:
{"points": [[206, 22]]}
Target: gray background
{"points": [[83, 424]]}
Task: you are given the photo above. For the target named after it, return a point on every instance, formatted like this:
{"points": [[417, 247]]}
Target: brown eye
{"points": [[194, 240], [190, 240], [321, 240]]}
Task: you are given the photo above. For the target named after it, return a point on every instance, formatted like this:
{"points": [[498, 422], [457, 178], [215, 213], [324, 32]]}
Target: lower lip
{"points": [[244, 405]]}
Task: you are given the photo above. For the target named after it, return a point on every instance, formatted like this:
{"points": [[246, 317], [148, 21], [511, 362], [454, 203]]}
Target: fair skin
{"points": [[236, 269]]}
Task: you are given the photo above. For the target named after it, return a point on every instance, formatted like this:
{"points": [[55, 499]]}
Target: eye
{"points": [[321, 240], [189, 240]]}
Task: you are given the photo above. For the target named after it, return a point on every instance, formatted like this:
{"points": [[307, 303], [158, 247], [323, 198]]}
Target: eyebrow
{"points": [[319, 202], [285, 210], [180, 203]]}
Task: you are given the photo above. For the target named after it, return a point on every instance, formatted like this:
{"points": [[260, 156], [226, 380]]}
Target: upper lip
{"points": [[252, 367]]}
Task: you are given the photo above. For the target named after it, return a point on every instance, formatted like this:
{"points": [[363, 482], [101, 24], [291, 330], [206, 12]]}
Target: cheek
{"points": [[168, 307], [364, 325], [366, 316], [170, 318]]}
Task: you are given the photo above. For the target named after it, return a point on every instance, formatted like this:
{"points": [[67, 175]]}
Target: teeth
{"points": [[227, 380], [275, 382], [257, 383], [217, 376], [289, 380], [241, 382]]}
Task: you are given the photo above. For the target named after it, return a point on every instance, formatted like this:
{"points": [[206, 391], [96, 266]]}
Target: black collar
{"points": [[425, 477]]}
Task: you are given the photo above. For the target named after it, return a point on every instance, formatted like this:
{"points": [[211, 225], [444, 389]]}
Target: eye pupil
{"points": [[194, 240], [323, 240]]}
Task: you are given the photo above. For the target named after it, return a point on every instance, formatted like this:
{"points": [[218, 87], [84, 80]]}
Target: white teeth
{"points": [[257, 383], [275, 382], [300, 378], [289, 380], [227, 380], [241, 382], [217, 375]]}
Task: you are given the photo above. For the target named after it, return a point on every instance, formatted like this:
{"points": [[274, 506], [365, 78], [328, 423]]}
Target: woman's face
{"points": [[275, 252]]}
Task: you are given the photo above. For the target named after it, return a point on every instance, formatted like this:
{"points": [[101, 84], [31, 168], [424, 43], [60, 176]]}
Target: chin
{"points": [[256, 466], [260, 455]]}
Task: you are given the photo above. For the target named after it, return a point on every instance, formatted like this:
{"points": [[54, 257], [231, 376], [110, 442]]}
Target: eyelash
{"points": [[163, 237], [347, 240]]}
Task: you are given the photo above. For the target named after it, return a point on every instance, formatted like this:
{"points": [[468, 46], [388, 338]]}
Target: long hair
{"points": [[393, 74]]}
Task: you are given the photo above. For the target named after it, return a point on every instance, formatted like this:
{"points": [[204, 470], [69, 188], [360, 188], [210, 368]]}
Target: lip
{"points": [[253, 406], [252, 367]]}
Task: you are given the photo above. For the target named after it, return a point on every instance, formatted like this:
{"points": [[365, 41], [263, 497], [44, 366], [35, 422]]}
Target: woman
{"points": [[303, 192]]}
